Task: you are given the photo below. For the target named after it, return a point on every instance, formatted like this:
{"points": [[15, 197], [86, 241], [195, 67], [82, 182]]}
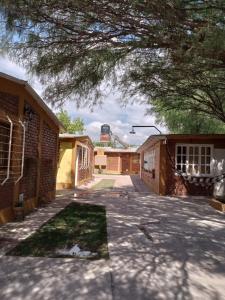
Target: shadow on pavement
{"points": [[160, 248]]}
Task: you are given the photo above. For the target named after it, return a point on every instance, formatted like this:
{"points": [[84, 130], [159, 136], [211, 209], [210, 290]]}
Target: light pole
{"points": [[143, 126]]}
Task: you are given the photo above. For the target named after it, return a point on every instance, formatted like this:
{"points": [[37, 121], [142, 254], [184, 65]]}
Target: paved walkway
{"points": [[160, 248]]}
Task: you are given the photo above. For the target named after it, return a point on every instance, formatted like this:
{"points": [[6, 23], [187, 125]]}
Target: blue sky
{"points": [[119, 118]]}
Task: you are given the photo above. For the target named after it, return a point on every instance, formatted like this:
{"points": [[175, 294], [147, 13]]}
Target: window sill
{"points": [[197, 176]]}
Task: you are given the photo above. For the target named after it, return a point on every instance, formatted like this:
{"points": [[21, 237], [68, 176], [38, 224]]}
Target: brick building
{"points": [[116, 161], [75, 166], [28, 147], [182, 164]]}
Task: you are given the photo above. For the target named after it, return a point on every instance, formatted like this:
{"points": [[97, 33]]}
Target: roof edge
{"points": [[174, 136], [157, 137], [65, 135], [35, 95]]}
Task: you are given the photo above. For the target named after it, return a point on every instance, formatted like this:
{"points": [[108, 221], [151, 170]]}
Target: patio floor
{"points": [[160, 248]]}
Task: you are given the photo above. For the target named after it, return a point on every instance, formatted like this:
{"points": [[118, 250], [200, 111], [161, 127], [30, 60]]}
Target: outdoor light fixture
{"points": [[132, 131], [28, 111], [152, 126]]}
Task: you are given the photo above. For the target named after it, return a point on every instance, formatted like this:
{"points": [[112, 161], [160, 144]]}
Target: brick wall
{"points": [[28, 184], [6, 195], [135, 163], [32, 135], [9, 104], [48, 160]]}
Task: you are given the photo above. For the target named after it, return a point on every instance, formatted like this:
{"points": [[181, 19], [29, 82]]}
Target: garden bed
{"points": [[104, 184], [81, 224]]}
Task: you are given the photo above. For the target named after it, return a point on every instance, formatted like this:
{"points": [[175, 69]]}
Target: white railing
{"points": [[23, 152], [9, 152], [13, 150]]}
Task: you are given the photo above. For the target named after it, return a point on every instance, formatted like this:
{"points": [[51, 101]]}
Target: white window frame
{"points": [[149, 160], [85, 157], [199, 164], [82, 158]]}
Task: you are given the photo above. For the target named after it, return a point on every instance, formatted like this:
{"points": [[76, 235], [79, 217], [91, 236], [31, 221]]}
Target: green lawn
{"points": [[81, 224], [104, 184]]}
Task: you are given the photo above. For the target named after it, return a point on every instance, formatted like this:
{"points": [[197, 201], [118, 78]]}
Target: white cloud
{"points": [[7, 66], [111, 112], [118, 117], [13, 69]]}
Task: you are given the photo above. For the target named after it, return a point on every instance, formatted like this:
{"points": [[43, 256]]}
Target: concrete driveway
{"points": [[160, 248], [166, 249]]}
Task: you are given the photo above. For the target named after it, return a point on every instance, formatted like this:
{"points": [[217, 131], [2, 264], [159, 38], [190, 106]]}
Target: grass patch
{"points": [[104, 184], [81, 224]]}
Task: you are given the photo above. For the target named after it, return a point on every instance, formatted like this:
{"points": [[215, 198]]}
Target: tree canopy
{"points": [[173, 52], [71, 126], [188, 122]]}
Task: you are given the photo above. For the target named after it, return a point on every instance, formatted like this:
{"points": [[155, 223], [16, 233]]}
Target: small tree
{"points": [[71, 125]]}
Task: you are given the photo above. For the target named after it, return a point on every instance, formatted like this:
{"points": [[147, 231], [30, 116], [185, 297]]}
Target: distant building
{"points": [[110, 160], [76, 161], [183, 164]]}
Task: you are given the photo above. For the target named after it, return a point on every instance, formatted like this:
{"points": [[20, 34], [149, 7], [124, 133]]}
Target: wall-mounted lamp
{"points": [[28, 112], [152, 126], [132, 131]]}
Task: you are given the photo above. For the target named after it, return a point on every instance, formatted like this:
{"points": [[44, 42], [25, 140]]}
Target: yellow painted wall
{"points": [[64, 173]]}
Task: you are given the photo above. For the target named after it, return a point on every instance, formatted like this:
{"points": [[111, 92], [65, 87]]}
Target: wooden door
{"points": [[112, 162], [125, 163]]}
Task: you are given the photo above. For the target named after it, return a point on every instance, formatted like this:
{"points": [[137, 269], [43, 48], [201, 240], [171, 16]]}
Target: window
{"points": [[4, 147], [84, 158], [194, 159], [11, 150], [149, 160]]}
